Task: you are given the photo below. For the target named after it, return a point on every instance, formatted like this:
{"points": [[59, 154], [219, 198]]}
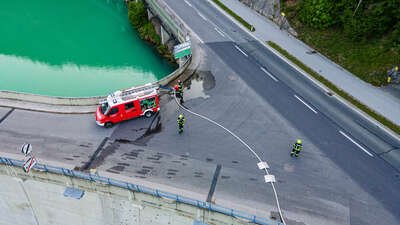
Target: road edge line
{"points": [[316, 82], [355, 143]]}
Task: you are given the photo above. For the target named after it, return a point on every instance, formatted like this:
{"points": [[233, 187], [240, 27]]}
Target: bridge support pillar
{"points": [[164, 36], [149, 14]]}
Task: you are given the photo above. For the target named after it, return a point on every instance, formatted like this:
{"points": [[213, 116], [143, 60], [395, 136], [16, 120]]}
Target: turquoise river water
{"points": [[74, 48]]}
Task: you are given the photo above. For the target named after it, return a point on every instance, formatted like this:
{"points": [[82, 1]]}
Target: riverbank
{"points": [[368, 58], [138, 17]]}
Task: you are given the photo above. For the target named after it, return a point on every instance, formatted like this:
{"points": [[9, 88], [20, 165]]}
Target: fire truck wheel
{"points": [[108, 125], [148, 114]]}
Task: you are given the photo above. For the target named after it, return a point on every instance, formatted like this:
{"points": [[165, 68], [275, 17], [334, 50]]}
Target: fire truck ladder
{"points": [[133, 92]]}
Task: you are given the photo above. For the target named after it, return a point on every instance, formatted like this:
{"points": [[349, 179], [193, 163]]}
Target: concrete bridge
{"points": [[40, 197]]}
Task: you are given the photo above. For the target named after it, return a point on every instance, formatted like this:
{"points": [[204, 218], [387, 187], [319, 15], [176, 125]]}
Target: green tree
{"points": [[137, 13], [373, 18], [317, 13]]}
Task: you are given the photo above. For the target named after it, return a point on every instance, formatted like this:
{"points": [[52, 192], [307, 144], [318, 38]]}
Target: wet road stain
{"points": [[199, 83], [112, 171], [117, 168], [143, 171], [154, 128], [198, 174], [85, 145], [209, 159], [66, 158], [104, 153], [225, 177]]}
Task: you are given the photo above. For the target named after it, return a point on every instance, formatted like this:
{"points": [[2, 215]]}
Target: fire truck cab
{"points": [[128, 104]]}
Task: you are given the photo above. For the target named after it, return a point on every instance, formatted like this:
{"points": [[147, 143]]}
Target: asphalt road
{"points": [[340, 177], [351, 142]]}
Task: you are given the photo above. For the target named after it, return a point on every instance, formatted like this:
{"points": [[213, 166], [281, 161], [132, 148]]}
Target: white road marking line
{"points": [[219, 31], [202, 16], [213, 24], [354, 142], [188, 3], [201, 41], [308, 106], [240, 50], [269, 74]]}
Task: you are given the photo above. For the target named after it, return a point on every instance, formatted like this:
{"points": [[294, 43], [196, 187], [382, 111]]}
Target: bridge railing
{"points": [[142, 189], [172, 22]]}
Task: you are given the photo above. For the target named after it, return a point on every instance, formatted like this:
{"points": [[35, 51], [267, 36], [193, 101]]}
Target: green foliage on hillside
{"points": [[389, 124], [361, 35], [317, 13], [361, 19]]}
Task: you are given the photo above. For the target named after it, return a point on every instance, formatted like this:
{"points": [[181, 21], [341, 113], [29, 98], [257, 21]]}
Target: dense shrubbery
{"points": [[372, 18], [137, 14], [365, 39], [317, 13]]}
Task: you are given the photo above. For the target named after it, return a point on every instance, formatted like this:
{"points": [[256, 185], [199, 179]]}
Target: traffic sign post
{"points": [[182, 50], [26, 149]]}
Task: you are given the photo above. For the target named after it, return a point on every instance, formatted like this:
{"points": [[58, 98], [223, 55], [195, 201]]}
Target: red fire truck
{"points": [[128, 104]]}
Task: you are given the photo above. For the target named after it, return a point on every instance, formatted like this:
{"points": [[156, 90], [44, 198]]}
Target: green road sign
{"points": [[182, 50]]}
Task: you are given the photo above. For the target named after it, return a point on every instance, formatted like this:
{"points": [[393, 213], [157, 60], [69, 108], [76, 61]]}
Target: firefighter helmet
{"points": [[298, 141]]}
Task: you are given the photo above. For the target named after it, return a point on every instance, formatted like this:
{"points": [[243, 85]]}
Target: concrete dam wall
{"points": [[38, 198]]}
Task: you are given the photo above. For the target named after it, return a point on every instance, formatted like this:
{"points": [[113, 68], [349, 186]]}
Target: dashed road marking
{"points": [[240, 50], [219, 31], [308, 106], [354, 142], [202, 16], [201, 41], [188, 3], [269, 74]]}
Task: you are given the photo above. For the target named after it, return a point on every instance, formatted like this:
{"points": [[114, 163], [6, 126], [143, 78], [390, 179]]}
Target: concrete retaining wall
{"points": [[268, 8], [38, 198]]}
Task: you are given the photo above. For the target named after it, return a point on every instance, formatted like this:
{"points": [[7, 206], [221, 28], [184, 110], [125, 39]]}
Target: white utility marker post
{"points": [[26, 149]]}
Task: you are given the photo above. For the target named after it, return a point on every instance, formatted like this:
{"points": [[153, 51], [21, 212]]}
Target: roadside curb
{"points": [[320, 85]]}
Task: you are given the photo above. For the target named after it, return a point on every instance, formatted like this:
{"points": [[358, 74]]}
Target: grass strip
{"points": [[234, 15], [337, 90]]}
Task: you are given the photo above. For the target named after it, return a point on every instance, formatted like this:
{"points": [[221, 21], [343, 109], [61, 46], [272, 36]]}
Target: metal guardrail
{"points": [[143, 189], [169, 18]]}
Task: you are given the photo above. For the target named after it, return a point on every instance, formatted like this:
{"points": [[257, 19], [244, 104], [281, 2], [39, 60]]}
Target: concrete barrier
{"points": [[37, 198]]}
